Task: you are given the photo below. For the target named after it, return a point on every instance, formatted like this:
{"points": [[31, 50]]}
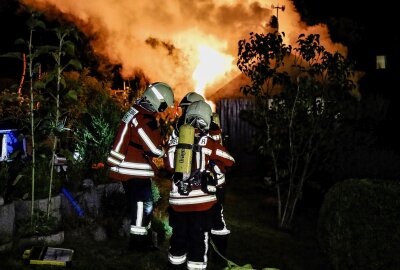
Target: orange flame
{"points": [[190, 46], [212, 65]]}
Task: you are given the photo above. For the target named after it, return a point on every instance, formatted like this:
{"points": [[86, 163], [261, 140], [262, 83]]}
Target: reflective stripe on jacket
{"points": [[138, 140], [208, 151]]}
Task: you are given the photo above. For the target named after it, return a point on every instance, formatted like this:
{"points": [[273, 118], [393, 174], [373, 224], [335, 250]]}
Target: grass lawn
{"points": [[255, 239]]}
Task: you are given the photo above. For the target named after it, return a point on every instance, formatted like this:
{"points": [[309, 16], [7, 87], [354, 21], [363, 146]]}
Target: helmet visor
{"points": [[163, 106], [197, 122]]}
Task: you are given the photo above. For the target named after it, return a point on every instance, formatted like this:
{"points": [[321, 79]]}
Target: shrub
{"points": [[93, 143], [359, 224]]}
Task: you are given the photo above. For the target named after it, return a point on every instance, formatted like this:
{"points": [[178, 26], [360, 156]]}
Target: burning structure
{"points": [[190, 45]]}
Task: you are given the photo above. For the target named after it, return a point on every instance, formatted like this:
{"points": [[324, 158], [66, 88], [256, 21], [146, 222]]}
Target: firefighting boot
{"points": [[171, 266], [136, 242], [151, 242], [141, 243]]}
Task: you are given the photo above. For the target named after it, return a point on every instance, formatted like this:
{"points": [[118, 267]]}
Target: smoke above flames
{"points": [[191, 45]]}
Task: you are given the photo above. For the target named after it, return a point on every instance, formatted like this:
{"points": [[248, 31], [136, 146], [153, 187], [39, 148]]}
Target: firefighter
{"points": [[220, 232], [138, 140], [188, 99], [192, 157]]}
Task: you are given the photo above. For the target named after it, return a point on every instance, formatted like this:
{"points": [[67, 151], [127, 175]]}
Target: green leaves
{"points": [[261, 59], [72, 95], [75, 64], [300, 94], [69, 48], [16, 55], [34, 23], [232, 266]]}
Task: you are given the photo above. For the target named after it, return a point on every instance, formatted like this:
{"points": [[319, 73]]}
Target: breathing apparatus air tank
{"points": [[217, 121], [184, 153]]}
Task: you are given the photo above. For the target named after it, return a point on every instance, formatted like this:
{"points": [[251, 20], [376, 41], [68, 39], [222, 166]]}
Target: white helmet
{"points": [[198, 114], [189, 98], [157, 97]]}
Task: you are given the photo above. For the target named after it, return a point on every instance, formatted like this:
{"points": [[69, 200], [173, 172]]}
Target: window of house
{"points": [[381, 62]]}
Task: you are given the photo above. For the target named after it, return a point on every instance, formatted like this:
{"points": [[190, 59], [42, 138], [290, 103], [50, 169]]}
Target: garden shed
{"points": [[237, 133]]}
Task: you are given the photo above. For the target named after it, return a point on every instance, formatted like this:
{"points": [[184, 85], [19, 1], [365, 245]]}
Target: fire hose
{"points": [[73, 202]]}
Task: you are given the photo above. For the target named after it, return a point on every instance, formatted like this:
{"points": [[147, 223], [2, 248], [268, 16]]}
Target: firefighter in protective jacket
{"points": [[191, 157], [188, 99], [138, 140], [219, 231]]}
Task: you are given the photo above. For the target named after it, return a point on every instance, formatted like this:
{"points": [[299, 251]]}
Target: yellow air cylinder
{"points": [[215, 119], [184, 152]]}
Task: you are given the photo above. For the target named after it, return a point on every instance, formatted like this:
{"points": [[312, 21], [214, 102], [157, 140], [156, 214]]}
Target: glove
{"points": [[209, 183], [184, 186], [177, 177]]}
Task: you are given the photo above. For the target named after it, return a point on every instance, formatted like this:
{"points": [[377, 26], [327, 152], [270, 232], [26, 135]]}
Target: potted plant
{"points": [[46, 230], [36, 227]]}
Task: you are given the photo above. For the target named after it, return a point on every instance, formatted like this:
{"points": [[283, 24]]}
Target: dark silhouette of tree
{"points": [[303, 97]]}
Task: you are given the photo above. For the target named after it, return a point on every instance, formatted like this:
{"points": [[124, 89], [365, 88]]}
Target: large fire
{"points": [[212, 65], [192, 45]]}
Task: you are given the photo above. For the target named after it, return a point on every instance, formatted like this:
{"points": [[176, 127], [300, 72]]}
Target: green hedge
{"points": [[359, 225]]}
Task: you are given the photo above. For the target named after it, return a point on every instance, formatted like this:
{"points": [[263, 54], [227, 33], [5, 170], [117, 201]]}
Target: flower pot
{"points": [[43, 230], [55, 239], [23, 208]]}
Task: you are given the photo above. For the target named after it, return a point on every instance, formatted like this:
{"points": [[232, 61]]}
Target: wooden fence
{"points": [[237, 132]]}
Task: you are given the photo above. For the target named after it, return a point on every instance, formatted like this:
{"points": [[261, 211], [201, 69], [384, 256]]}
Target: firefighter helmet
{"points": [[189, 98], [199, 115], [157, 97]]}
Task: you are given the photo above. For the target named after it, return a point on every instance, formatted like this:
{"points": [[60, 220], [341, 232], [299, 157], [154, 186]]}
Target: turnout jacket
{"points": [[208, 155], [215, 132], [138, 140]]}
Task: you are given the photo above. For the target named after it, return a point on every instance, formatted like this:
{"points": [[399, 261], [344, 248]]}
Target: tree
{"points": [[46, 92], [301, 96], [65, 49], [33, 24]]}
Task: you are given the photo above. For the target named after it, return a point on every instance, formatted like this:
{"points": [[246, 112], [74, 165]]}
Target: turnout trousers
{"points": [[140, 209], [219, 231], [189, 240]]}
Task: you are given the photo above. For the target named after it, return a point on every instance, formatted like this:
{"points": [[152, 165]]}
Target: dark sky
{"points": [[11, 29]]}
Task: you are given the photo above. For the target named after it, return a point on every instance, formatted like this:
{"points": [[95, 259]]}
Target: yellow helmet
{"points": [[198, 114], [157, 97], [189, 98]]}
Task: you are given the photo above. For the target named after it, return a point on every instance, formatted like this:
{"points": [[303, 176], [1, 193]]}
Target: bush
{"points": [[359, 225]]}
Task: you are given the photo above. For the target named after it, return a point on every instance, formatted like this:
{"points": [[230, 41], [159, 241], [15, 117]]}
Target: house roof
{"points": [[230, 89]]}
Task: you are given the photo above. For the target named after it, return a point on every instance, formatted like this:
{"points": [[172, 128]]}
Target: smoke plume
{"points": [[161, 38]]}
